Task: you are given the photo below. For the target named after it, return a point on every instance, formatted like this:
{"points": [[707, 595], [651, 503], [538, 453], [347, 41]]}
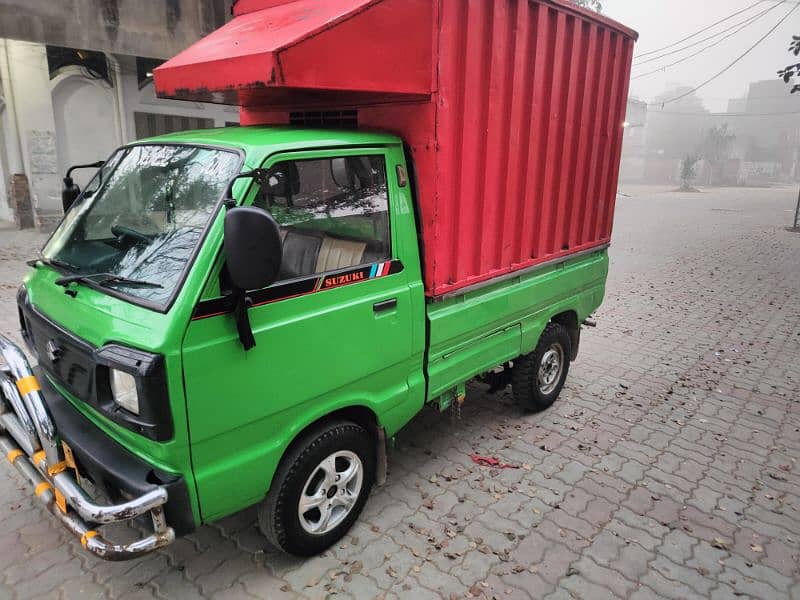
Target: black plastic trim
{"points": [[390, 304], [297, 287], [110, 466], [155, 418]]}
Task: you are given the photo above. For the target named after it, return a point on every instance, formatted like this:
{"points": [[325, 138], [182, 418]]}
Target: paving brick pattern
{"points": [[668, 468]]}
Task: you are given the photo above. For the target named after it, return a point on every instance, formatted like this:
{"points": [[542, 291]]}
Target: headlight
{"points": [[134, 380], [123, 388]]}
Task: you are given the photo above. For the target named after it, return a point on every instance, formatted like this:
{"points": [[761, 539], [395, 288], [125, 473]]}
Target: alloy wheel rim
{"points": [[550, 369], [330, 492]]}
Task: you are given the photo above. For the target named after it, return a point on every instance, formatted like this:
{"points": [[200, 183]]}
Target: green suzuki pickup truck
{"points": [[235, 317]]}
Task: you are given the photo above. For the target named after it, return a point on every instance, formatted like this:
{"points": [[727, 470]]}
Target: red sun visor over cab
{"points": [[284, 52]]}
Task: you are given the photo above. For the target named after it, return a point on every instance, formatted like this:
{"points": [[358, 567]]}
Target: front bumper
{"points": [[29, 440]]}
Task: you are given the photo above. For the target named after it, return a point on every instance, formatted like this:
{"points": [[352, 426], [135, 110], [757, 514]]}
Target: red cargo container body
{"points": [[513, 111]]}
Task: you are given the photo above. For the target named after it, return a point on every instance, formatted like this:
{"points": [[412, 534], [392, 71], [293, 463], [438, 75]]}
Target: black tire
{"points": [[278, 514], [525, 382]]}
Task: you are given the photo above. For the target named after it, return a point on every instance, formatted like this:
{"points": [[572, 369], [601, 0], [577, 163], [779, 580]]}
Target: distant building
{"points": [[635, 124], [676, 128], [632, 169], [765, 123], [77, 83], [769, 130], [670, 131], [737, 105]]}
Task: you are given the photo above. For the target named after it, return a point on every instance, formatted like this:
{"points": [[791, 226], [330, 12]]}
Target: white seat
{"points": [[339, 254]]}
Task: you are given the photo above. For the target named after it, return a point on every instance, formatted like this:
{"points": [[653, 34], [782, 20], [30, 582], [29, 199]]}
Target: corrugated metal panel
{"points": [[513, 110], [529, 131], [309, 51]]}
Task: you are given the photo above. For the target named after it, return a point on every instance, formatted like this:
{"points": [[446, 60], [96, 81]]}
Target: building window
{"points": [[145, 68], [94, 63]]}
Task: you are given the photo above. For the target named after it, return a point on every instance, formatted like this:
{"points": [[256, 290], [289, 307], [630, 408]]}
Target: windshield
{"points": [[142, 217]]}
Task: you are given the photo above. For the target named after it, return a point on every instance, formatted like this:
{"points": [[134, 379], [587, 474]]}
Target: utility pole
{"points": [[797, 213]]}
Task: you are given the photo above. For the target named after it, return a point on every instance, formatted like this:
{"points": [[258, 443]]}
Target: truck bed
{"points": [[473, 332]]}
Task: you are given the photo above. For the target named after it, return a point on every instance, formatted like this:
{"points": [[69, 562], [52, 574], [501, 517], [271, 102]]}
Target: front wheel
{"points": [[538, 377], [319, 489]]}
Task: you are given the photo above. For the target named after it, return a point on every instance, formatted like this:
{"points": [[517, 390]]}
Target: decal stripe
{"points": [[296, 288], [395, 267]]}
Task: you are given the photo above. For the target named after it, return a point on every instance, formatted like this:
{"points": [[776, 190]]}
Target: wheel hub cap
{"points": [[550, 369], [330, 492]]}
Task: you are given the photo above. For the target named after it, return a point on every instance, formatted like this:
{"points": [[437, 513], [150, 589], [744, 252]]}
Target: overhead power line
{"points": [[731, 65], [746, 22], [734, 115], [662, 68], [700, 31]]}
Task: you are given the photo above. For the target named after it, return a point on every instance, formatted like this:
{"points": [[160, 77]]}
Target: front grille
{"points": [[67, 359], [83, 371]]}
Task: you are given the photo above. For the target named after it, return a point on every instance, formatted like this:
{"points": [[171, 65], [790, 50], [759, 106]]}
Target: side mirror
{"points": [[253, 248], [69, 193], [258, 174]]}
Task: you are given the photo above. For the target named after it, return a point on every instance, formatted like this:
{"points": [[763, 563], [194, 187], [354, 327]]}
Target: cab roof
{"points": [[258, 142]]}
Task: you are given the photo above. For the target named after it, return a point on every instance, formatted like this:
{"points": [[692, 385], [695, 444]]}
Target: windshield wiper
{"points": [[104, 279], [51, 262], [101, 279]]}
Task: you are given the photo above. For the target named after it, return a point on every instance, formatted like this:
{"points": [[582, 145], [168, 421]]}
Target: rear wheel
{"points": [[319, 489], [538, 377]]}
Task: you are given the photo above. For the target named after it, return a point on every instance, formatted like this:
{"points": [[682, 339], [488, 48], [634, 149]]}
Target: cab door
{"points": [[336, 329]]}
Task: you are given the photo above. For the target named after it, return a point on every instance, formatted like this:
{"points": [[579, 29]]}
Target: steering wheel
{"points": [[120, 231]]}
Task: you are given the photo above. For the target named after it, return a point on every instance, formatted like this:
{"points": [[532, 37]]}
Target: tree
{"points": [[787, 74], [688, 172], [716, 147], [593, 4], [790, 71]]}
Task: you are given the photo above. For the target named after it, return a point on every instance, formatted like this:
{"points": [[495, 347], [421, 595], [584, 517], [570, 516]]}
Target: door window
{"points": [[333, 213]]}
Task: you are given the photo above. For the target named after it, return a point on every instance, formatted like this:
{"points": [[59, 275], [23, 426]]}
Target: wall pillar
{"points": [[10, 148], [26, 78]]}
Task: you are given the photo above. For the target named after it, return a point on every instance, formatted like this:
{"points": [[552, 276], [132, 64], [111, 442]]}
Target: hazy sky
{"points": [[662, 22]]}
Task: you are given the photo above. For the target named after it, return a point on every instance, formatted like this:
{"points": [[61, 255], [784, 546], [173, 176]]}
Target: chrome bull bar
{"points": [[29, 440]]}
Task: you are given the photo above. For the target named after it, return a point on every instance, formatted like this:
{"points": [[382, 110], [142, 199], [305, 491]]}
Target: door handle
{"points": [[385, 305]]}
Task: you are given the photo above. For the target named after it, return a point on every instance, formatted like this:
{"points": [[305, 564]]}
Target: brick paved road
{"points": [[668, 468]]}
